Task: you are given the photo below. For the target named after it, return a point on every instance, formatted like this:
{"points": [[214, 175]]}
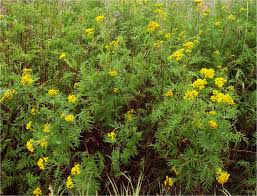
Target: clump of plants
{"points": [[98, 94]]}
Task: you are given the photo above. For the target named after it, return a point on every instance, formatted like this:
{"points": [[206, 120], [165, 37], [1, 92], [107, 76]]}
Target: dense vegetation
{"points": [[128, 97]]}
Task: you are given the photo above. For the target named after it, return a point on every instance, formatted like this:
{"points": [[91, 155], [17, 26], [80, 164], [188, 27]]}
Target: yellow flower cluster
{"points": [[220, 97], [69, 183], [189, 46], [46, 128], [231, 17], [26, 78], [220, 81], [112, 72], [112, 135], [99, 18], [213, 124], [43, 143], [208, 73], [161, 13], [69, 118], [217, 24], [168, 181], [173, 169], [167, 35], [169, 93], [113, 44], [62, 56], [222, 176], [206, 12], [152, 26], [72, 98], [212, 112], [8, 95], [89, 31], [29, 125], [33, 111], [30, 146], [158, 44], [199, 83], [37, 191], [129, 114], [198, 1], [190, 95], [53, 92], [115, 90], [75, 170], [177, 55], [41, 163]]}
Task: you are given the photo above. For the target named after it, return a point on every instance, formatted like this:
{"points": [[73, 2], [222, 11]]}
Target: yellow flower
{"points": [[158, 4], [190, 95], [26, 79], [220, 81], [30, 146], [113, 44], [175, 170], [217, 96], [158, 44], [161, 13], [198, 1], [112, 72], [41, 163], [189, 45], [69, 118], [115, 90], [62, 55], [168, 181], [89, 31], [76, 85], [228, 99], [169, 93], [213, 112], [177, 55], [99, 18], [112, 135], [29, 125], [217, 24], [26, 71], [72, 98], [43, 143], [206, 12], [213, 124], [231, 17], [243, 9], [231, 88], [37, 191], [152, 26], [167, 35], [196, 41], [208, 73], [53, 92], [46, 128], [222, 176], [69, 183], [33, 111], [75, 170], [199, 83], [8, 95]]}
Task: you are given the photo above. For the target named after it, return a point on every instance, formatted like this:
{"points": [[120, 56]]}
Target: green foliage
{"points": [[81, 93]]}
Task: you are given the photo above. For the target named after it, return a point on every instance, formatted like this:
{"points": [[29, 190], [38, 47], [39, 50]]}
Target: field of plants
{"points": [[128, 97]]}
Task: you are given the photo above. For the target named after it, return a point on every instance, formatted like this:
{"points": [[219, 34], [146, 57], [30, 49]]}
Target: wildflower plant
{"points": [[92, 90]]}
